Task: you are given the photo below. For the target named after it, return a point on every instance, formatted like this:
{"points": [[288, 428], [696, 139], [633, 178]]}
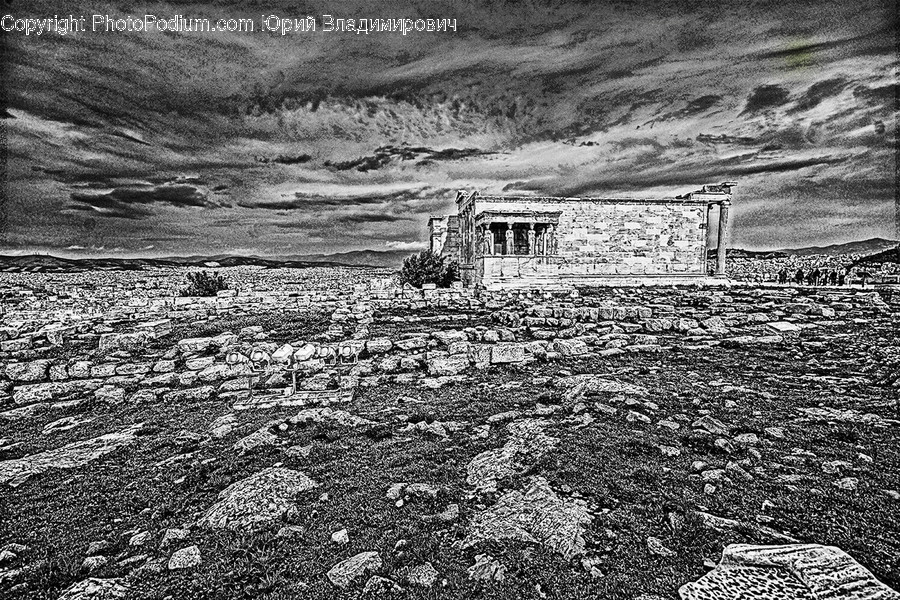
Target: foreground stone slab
{"points": [[15, 472], [526, 445], [787, 572], [260, 498], [537, 515]]}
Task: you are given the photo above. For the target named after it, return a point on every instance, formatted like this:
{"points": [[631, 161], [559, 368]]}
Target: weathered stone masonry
{"points": [[519, 241]]}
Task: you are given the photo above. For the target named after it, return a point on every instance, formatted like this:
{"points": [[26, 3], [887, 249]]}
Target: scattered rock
{"points": [[656, 547], [710, 424], [186, 558], [380, 587], [95, 589], [93, 563], [422, 575], [173, 535], [448, 515], [340, 537], [487, 568], [345, 572]]}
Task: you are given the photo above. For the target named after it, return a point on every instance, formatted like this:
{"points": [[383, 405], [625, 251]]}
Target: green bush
{"points": [[428, 267], [202, 283]]}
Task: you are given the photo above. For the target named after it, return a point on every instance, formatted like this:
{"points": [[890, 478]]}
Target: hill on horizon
{"points": [[392, 259]]}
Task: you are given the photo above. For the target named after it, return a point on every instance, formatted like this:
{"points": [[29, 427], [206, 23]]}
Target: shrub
{"points": [[428, 267], [202, 283]]}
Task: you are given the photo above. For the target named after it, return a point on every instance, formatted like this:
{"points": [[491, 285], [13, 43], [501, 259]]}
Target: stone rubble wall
{"points": [[522, 326]]}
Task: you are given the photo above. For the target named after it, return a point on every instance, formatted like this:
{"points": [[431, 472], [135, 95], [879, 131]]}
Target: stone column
{"points": [[551, 239], [720, 248], [508, 248], [532, 249]]}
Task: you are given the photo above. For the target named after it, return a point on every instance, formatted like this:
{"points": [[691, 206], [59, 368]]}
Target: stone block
{"points": [[128, 342], [449, 365], [509, 352]]}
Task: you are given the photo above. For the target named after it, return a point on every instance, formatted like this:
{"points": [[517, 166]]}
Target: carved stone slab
{"points": [[787, 572]]}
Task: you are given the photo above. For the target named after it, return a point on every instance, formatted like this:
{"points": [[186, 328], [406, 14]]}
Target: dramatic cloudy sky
{"points": [[159, 143]]}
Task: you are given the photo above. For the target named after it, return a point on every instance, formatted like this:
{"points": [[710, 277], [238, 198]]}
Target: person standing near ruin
{"points": [[798, 278]]}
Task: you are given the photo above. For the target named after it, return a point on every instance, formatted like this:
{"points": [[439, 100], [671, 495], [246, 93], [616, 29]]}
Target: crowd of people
{"points": [[814, 270]]}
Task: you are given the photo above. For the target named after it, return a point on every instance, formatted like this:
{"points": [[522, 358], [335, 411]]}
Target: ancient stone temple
{"points": [[529, 241]]}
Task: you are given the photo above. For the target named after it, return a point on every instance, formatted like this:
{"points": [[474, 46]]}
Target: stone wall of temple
{"points": [[444, 236], [602, 238]]}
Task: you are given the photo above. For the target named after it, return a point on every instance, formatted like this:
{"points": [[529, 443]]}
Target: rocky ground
{"points": [[606, 444]]}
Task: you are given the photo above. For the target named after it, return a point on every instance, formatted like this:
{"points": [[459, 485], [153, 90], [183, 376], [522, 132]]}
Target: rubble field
{"points": [[635, 444]]}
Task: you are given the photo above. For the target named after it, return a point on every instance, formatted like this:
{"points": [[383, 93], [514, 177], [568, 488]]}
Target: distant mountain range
{"points": [[869, 246], [392, 259], [45, 263], [862, 247]]}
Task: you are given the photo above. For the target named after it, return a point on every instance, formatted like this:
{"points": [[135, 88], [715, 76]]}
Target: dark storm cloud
{"points": [[344, 130], [105, 206], [766, 96], [371, 217], [386, 155], [818, 92], [128, 202], [315, 202], [878, 96], [694, 107]]}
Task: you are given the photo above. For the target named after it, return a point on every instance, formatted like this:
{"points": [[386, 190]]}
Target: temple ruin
{"points": [[528, 241]]}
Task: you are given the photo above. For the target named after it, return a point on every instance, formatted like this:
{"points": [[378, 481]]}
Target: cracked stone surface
{"points": [[787, 572], [537, 515], [260, 498], [526, 445], [15, 472]]}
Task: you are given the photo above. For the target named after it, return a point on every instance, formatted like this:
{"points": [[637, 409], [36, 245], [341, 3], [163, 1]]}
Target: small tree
{"points": [[428, 267], [202, 283]]}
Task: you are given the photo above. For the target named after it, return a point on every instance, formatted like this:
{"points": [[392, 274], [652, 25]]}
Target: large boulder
{"points": [[261, 498]]}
